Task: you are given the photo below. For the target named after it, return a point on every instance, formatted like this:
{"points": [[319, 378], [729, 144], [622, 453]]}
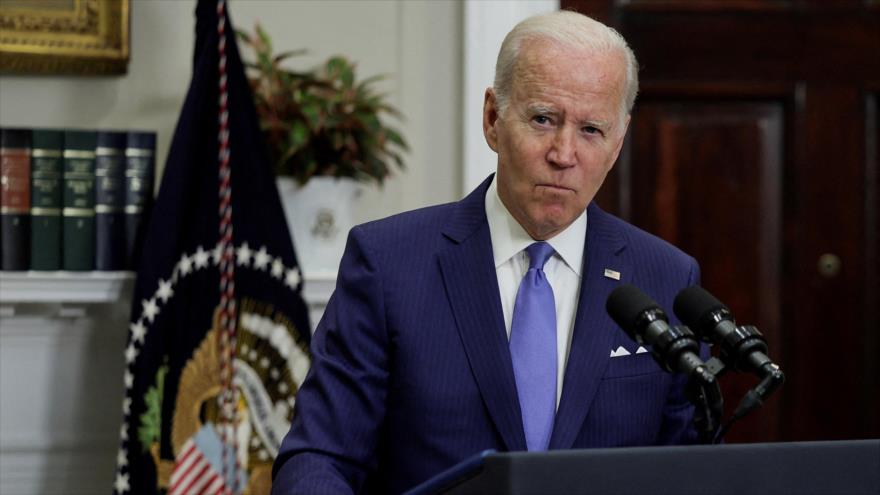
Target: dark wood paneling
{"points": [[813, 45], [721, 6], [754, 146], [715, 6], [825, 313], [871, 420]]}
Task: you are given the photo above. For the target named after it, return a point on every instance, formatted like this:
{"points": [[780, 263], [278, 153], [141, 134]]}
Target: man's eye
{"points": [[591, 130], [541, 119]]}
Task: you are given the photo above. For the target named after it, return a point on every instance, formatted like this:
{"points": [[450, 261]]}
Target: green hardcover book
{"points": [[46, 198], [79, 201]]}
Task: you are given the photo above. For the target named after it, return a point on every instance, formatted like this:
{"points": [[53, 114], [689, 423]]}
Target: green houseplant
{"points": [[322, 121], [325, 135]]}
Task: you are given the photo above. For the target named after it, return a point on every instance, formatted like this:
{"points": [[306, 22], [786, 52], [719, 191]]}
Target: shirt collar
{"points": [[509, 238]]}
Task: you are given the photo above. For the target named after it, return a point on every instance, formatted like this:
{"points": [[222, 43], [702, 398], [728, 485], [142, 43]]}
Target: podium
{"points": [[827, 468]]}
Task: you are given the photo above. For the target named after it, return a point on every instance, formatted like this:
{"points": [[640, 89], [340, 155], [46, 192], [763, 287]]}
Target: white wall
{"points": [[417, 43]]}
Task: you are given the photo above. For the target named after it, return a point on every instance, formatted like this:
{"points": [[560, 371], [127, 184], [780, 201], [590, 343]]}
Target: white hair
{"points": [[571, 29]]}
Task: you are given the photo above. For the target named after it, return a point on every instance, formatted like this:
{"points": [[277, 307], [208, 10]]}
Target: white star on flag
{"points": [[261, 259], [243, 255], [150, 309], [138, 331], [121, 458], [201, 258], [128, 378], [292, 279], [185, 264], [121, 483], [277, 268], [165, 291], [123, 432], [130, 353], [126, 406]]}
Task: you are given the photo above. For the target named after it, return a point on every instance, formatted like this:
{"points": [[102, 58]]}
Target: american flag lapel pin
{"points": [[612, 274]]}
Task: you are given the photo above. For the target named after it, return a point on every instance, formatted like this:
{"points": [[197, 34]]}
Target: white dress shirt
{"points": [[563, 270]]}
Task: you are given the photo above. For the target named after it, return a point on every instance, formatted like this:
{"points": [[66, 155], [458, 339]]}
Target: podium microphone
{"points": [[674, 348], [743, 348]]}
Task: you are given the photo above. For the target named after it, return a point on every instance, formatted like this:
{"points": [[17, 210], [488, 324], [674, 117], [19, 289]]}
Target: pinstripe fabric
{"points": [[411, 371]]}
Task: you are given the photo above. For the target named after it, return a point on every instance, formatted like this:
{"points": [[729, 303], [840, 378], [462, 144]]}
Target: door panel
{"points": [[713, 186]]}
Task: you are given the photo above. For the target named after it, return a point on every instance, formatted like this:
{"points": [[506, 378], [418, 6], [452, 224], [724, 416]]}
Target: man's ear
{"points": [[490, 117]]}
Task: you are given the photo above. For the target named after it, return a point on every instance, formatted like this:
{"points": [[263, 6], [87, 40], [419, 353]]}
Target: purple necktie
{"points": [[533, 349]]}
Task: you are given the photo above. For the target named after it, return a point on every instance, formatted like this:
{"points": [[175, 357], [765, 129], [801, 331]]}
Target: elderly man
{"points": [[480, 324]]}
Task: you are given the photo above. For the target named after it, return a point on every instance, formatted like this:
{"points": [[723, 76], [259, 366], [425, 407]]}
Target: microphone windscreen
{"points": [[626, 304], [694, 304]]}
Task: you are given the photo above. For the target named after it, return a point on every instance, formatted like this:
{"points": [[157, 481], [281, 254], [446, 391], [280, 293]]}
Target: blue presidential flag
{"points": [[218, 338]]}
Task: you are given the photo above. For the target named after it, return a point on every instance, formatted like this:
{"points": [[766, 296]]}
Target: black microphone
{"points": [[743, 348], [674, 348]]}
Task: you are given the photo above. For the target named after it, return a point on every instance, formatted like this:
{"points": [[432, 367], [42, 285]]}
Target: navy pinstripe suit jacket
{"points": [[411, 371]]}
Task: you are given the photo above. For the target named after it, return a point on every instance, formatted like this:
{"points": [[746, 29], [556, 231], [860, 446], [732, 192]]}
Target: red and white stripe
{"points": [[193, 474], [227, 398]]}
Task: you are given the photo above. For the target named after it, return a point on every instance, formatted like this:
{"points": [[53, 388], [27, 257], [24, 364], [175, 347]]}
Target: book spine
{"points": [[15, 200], [110, 242], [78, 224], [140, 165], [46, 199]]}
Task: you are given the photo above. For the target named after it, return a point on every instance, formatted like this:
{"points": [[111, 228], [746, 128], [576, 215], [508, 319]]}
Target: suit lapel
{"points": [[468, 270], [593, 331]]}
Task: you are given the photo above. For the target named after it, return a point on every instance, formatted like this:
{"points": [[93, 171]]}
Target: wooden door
{"points": [[754, 147]]}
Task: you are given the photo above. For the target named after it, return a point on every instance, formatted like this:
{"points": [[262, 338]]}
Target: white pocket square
{"points": [[621, 351]]}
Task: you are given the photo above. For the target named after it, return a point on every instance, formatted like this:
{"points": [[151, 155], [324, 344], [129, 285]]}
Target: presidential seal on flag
{"points": [[270, 365]]}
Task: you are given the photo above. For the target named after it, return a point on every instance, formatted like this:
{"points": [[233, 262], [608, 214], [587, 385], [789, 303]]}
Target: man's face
{"points": [[560, 134]]}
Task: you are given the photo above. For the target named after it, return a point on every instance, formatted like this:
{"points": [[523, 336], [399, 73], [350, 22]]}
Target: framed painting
{"points": [[84, 37]]}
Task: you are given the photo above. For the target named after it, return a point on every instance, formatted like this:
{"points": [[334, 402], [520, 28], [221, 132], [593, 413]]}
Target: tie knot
{"points": [[539, 253]]}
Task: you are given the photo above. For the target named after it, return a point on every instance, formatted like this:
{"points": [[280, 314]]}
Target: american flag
{"points": [[197, 469]]}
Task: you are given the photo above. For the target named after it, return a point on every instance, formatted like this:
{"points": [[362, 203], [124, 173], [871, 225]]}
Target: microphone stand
{"points": [[704, 392]]}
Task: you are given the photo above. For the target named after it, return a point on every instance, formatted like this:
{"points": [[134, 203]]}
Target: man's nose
{"points": [[563, 151]]}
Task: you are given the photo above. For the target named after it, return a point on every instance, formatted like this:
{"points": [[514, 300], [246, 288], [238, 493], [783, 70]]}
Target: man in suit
{"points": [[424, 356]]}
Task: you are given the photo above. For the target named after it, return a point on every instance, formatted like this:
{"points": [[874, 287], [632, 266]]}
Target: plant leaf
{"points": [[395, 138], [290, 53], [264, 38]]}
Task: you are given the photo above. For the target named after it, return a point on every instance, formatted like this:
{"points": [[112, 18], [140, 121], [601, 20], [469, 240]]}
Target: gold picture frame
{"points": [[83, 37]]}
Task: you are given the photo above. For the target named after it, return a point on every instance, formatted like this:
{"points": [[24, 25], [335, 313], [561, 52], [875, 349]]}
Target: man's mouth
{"points": [[557, 188]]}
